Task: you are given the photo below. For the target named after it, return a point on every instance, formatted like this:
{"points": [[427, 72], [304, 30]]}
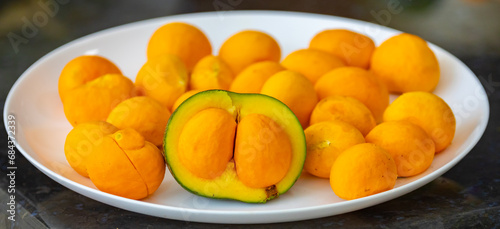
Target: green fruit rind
{"points": [[227, 185]]}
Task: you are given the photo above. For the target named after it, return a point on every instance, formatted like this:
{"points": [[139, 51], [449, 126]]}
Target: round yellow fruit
{"points": [[81, 140], [143, 114], [325, 142], [346, 109], [354, 48], [363, 170], [410, 146], [294, 90], [94, 100], [163, 78], [405, 63], [357, 83], [211, 72], [249, 47], [311, 63], [126, 165], [82, 70], [428, 111], [180, 39], [251, 79]]}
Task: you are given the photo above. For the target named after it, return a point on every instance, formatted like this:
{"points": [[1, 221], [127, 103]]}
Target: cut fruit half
{"points": [[246, 147]]}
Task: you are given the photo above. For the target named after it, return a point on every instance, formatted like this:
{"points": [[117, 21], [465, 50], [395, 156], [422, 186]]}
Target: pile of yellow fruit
{"points": [[338, 89]]}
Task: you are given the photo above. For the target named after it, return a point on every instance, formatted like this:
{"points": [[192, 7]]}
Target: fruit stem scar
{"points": [[118, 137], [318, 146], [271, 192]]}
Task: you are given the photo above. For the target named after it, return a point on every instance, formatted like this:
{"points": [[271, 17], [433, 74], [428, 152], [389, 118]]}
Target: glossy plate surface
{"points": [[41, 126]]}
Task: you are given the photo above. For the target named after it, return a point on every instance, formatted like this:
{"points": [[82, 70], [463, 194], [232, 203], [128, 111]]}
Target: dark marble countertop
{"points": [[467, 196]]}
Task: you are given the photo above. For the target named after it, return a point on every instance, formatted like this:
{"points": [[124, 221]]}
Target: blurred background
{"points": [[466, 196], [466, 28]]}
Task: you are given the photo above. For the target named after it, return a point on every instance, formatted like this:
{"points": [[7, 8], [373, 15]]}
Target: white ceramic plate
{"points": [[41, 126]]}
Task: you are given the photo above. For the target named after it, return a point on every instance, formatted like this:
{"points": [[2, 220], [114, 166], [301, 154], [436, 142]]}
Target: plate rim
{"points": [[321, 211]]}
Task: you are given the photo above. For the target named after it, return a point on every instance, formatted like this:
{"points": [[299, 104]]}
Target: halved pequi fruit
{"points": [[246, 147]]}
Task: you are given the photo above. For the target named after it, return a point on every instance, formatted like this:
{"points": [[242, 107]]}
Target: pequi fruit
{"points": [[163, 78], [126, 165], [405, 63], [294, 90], [363, 170], [346, 109], [248, 47], [428, 111], [325, 142], [82, 70], [183, 40], [94, 100], [143, 114], [409, 145], [214, 132], [211, 72], [253, 77], [356, 83], [354, 48], [312, 63], [82, 140]]}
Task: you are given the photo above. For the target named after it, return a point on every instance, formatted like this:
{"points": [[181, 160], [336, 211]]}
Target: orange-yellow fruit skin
{"points": [[363, 170], [181, 39], [123, 164], [111, 171], [263, 151], [146, 157], [211, 72], [94, 100], [344, 109], [428, 111], [163, 78], [405, 63], [206, 142], [253, 77], [183, 97], [83, 69], [409, 145], [294, 90], [353, 48], [81, 140], [129, 139], [311, 63], [150, 164], [325, 142], [357, 83], [143, 114], [248, 47]]}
